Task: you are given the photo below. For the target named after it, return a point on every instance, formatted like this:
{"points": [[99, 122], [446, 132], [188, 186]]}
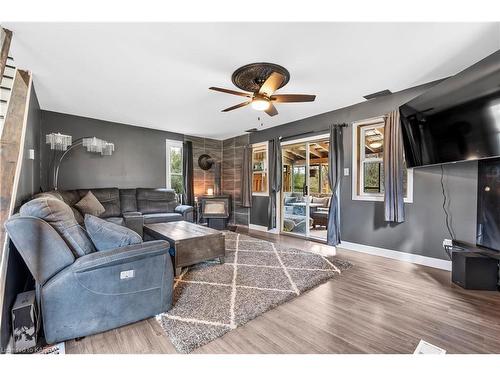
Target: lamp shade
{"points": [[58, 141], [98, 145]]}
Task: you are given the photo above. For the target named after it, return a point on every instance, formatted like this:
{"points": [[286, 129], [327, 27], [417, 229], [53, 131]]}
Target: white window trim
{"points": [[169, 144], [372, 197], [306, 139], [266, 166]]}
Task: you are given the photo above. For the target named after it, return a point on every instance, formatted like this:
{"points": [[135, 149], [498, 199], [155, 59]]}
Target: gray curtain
{"points": [[393, 170], [246, 177], [187, 173], [274, 178], [335, 173]]}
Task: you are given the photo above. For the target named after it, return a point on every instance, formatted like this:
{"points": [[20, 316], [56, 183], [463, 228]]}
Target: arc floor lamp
{"points": [[62, 142]]}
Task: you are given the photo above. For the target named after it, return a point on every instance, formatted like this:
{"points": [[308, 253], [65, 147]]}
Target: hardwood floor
{"points": [[379, 306]]}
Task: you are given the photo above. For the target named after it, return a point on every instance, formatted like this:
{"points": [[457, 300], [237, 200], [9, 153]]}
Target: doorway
{"points": [[305, 192]]}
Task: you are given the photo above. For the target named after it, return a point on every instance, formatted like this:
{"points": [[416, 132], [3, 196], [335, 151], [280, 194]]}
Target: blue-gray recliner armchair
{"points": [[83, 291]]}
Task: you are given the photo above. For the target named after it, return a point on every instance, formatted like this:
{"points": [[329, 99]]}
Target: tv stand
{"points": [[467, 247]]}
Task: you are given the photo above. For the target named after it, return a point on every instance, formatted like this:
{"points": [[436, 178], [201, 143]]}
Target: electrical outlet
{"points": [[447, 242]]}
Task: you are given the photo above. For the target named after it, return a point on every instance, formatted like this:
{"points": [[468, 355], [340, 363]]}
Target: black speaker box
{"points": [[474, 271]]}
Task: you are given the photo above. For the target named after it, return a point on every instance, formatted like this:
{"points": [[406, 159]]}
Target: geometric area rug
{"points": [[211, 299]]}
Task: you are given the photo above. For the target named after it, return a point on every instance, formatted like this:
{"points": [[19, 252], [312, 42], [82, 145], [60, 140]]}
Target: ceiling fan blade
{"points": [[292, 98], [271, 111], [236, 106], [272, 83], [227, 91]]}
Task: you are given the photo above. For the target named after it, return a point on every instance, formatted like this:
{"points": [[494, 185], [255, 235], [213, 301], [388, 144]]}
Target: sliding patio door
{"points": [[305, 192]]}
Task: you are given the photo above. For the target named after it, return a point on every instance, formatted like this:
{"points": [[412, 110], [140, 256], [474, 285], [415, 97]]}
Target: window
{"points": [[368, 162], [174, 166], [299, 178], [259, 169]]}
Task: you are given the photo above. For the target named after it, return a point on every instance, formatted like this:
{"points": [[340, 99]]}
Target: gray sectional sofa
{"points": [[84, 291], [130, 207]]}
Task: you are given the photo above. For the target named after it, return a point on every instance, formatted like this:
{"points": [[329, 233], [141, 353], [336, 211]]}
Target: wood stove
{"points": [[215, 209]]}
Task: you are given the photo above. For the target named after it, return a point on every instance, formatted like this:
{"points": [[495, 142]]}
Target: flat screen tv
{"points": [[458, 119]]}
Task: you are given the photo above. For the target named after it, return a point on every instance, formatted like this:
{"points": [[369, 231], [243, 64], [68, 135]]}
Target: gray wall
{"points": [[138, 161], [363, 222], [29, 180]]}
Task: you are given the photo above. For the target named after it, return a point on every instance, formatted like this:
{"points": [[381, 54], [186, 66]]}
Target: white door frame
{"points": [[306, 141]]}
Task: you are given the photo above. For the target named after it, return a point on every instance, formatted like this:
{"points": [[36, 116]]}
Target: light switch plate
{"points": [[127, 274], [346, 171], [31, 154]]}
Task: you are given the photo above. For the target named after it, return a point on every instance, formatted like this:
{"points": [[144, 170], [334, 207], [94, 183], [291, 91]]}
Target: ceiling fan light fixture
{"points": [[260, 104]]}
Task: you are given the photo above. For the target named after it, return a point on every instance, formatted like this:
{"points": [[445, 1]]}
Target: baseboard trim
{"points": [[398, 255], [257, 227]]}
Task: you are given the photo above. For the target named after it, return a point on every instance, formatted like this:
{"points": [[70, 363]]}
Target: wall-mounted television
{"points": [[457, 119]]}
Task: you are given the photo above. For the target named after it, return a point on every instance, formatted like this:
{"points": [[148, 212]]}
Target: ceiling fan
{"points": [[262, 80]]}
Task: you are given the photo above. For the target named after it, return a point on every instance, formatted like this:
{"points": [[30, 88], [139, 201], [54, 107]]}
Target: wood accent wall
{"points": [[204, 180], [232, 160], [230, 153]]}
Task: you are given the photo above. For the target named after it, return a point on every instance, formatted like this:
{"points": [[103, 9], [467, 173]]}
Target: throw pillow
{"points": [[90, 205], [107, 236], [59, 215]]}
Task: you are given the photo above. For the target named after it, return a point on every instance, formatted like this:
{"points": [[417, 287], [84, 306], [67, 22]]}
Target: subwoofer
{"points": [[471, 270]]}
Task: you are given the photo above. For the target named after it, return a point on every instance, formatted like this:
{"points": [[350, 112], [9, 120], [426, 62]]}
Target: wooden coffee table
{"points": [[192, 243]]}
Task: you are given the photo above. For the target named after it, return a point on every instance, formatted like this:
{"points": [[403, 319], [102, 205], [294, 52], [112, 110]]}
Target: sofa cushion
{"points": [[164, 217], [70, 197], [128, 200], [90, 205], [109, 198], [151, 201], [324, 201], [50, 194], [59, 215], [42, 248], [116, 220], [62, 196], [108, 236]]}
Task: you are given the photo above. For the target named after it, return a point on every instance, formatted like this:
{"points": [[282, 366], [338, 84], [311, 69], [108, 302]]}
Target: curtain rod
{"points": [[281, 138]]}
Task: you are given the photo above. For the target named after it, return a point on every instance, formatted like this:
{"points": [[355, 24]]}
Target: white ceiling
{"points": [[157, 75]]}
